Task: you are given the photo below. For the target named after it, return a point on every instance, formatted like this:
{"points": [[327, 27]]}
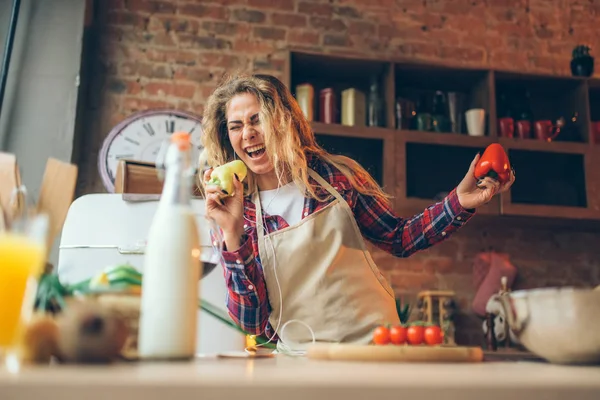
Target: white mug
{"points": [[475, 121]]}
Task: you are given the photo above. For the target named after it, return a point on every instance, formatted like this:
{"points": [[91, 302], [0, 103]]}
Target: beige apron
{"points": [[327, 277]]}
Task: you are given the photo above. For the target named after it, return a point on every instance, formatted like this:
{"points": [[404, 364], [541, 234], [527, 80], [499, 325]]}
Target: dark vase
{"points": [[582, 66]]}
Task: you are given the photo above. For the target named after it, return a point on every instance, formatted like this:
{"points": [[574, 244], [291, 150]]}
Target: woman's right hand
{"points": [[226, 211]]}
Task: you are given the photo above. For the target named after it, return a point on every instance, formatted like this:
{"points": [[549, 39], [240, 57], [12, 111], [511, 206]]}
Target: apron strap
{"points": [[260, 228]]}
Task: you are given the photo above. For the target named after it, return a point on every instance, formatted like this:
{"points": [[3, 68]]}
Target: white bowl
{"points": [[561, 325]]}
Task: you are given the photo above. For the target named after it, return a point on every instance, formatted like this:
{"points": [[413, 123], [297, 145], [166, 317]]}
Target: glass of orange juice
{"points": [[23, 254]]}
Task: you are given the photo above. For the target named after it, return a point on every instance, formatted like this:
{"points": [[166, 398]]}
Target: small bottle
{"points": [[305, 94], [375, 105], [327, 106], [354, 112], [170, 290]]}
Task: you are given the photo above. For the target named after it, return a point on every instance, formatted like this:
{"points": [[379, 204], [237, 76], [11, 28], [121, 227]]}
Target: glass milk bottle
{"points": [[172, 268]]}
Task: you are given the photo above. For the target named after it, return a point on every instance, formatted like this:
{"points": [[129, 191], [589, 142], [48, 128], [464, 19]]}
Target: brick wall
{"points": [[154, 53]]}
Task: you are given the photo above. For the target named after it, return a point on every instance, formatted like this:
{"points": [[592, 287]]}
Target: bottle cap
{"points": [[182, 139]]}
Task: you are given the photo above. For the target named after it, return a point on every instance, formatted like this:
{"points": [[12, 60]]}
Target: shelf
{"points": [[539, 145], [543, 99], [403, 158], [341, 73], [368, 152], [431, 91], [352, 131], [548, 179], [373, 148], [433, 170], [451, 139]]}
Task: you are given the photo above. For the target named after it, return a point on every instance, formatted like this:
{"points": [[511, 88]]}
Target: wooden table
{"points": [[291, 378]]}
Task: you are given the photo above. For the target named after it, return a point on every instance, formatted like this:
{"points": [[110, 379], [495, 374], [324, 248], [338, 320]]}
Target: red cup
{"points": [[545, 130], [507, 127], [523, 129]]}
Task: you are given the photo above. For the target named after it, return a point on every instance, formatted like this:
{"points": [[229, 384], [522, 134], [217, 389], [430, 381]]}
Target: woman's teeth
{"points": [[255, 151]]}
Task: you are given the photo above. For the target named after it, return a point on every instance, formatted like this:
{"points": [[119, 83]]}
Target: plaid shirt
{"points": [[247, 299]]}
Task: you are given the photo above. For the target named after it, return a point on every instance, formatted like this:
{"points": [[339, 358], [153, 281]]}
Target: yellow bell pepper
{"points": [[222, 176]]}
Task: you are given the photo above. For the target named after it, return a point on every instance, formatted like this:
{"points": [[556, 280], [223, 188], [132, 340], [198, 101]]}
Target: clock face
{"points": [[140, 137]]}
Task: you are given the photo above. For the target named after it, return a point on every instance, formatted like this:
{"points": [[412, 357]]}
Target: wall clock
{"points": [[140, 136]]}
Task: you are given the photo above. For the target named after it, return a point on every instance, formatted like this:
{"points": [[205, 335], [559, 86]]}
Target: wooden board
{"points": [[140, 177], [10, 180], [56, 194], [393, 353]]}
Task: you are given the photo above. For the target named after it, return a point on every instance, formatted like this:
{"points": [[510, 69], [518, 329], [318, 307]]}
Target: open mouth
{"points": [[255, 151]]}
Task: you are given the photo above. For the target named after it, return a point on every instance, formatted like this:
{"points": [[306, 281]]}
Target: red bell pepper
{"points": [[493, 163]]}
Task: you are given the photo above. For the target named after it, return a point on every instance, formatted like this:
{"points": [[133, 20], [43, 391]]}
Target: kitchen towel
{"points": [[488, 270]]}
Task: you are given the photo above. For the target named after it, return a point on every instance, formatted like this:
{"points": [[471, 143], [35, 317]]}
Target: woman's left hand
{"points": [[472, 194]]}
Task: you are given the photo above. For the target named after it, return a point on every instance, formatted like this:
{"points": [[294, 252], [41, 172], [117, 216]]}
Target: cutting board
{"points": [[10, 180], [393, 353], [56, 194]]}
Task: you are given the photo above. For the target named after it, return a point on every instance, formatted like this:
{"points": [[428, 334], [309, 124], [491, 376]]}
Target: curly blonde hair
{"points": [[288, 136]]}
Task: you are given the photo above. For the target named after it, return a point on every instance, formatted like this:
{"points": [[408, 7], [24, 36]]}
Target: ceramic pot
{"points": [[560, 325], [582, 66]]}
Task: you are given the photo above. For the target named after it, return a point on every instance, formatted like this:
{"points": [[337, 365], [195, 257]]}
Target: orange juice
{"points": [[20, 259]]}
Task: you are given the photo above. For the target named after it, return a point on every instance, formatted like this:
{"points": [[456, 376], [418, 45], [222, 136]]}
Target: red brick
{"points": [[303, 37], [337, 40], [327, 24], [133, 104], [229, 61], [361, 28], [250, 46], [288, 20], [346, 12], [469, 54], [151, 6], [193, 74], [204, 42], [170, 23], [273, 4], [268, 64], [268, 33], [204, 11], [419, 49], [170, 89], [315, 8], [224, 28], [246, 15]]}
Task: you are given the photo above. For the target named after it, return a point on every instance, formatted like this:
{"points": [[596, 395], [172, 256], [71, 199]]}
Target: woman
{"points": [[294, 245]]}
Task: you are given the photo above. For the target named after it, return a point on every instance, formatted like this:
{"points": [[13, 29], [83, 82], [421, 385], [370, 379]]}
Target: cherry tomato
{"points": [[381, 335], [433, 335], [398, 334], [415, 334]]}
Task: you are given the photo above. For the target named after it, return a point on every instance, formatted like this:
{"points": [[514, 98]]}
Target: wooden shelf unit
{"points": [[556, 179]]}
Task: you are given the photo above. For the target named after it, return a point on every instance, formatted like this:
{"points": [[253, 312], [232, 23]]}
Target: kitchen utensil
{"points": [[456, 103], [354, 107], [305, 96], [559, 324], [56, 195], [524, 129], [507, 127], [545, 130], [394, 353], [475, 121], [327, 106]]}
